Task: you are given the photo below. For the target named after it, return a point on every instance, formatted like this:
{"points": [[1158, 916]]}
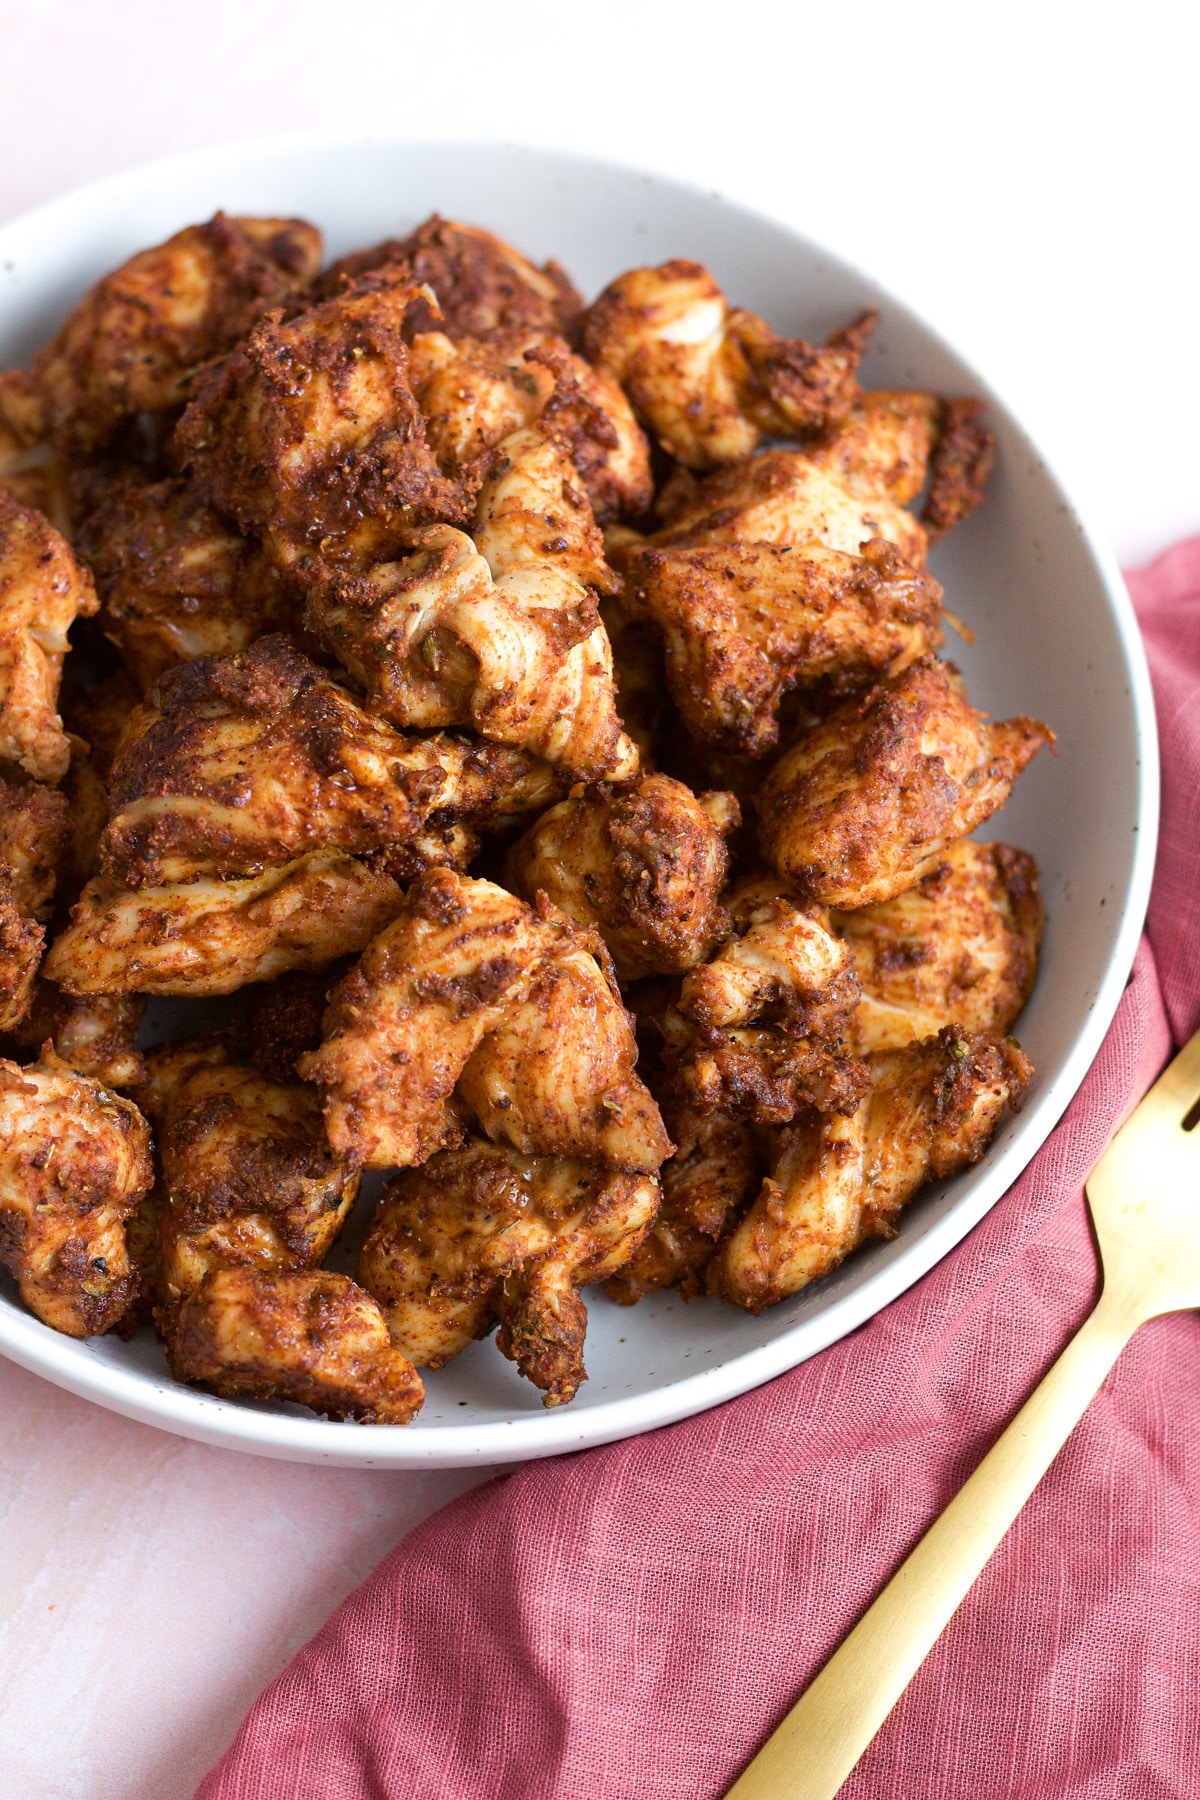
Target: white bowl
{"points": [[1055, 637]]}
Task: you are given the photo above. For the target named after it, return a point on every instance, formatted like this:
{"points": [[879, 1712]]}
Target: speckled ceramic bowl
{"points": [[1055, 637]]}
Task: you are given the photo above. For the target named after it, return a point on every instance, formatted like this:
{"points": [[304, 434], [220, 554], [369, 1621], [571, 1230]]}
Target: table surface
{"points": [[1023, 176]]}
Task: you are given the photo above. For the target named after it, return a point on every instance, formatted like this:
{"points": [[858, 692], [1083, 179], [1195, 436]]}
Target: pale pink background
{"points": [[1024, 175]]}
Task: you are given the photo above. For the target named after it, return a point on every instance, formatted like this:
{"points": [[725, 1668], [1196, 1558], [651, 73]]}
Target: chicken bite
{"points": [[932, 1110], [74, 1162], [94, 1034], [556, 1076], [868, 802], [960, 947], [481, 283], [760, 1030], [310, 1336], [310, 436], [34, 834], [31, 472], [474, 392], [709, 380], [705, 1186], [175, 580], [470, 989], [643, 864], [502, 633], [482, 1235], [43, 589], [796, 567], [248, 1179], [212, 937], [131, 343], [238, 763]]}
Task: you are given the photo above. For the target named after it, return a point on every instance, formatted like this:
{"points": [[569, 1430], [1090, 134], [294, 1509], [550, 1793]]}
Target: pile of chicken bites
{"points": [[530, 717]]}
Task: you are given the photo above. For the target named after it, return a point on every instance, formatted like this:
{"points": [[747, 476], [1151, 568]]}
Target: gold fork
{"points": [[1146, 1210]]}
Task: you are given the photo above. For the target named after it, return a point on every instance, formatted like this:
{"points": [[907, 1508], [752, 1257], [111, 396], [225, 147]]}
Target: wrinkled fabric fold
{"points": [[633, 1620]]}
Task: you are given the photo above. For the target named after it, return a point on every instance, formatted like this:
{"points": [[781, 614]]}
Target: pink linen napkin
{"points": [[633, 1621]]}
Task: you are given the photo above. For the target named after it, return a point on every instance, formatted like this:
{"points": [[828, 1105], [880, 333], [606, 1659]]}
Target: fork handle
{"points": [[810, 1754]]}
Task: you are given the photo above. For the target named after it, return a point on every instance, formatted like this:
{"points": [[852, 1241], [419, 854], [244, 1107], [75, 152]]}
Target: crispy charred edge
{"points": [[961, 465], [284, 1020], [377, 1386], [814, 385], [415, 486], [22, 942], [477, 286]]}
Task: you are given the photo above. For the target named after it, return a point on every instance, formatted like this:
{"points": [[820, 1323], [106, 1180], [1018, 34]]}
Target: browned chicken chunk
{"points": [[43, 589], [310, 437], [958, 948], [931, 1111], [238, 763], [310, 1336], [481, 283], [248, 1179], [211, 937], [501, 633], [471, 986], [705, 1186], [74, 1162], [474, 392], [643, 864], [794, 568], [709, 380], [483, 1235], [760, 1030], [95, 1034], [175, 579], [34, 834], [867, 803], [133, 340]]}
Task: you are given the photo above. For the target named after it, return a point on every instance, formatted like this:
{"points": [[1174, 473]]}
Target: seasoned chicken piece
{"points": [[310, 437], [793, 567], [175, 579], [238, 763], [742, 622], [962, 463], [96, 1034], [705, 1185], [74, 1162], [501, 633], [867, 803], [42, 590], [958, 948], [760, 1030], [472, 990], [481, 283], [931, 1111], [482, 1235], [310, 1336], [22, 941], [644, 865], [31, 473], [709, 380], [131, 343], [284, 1018], [211, 937], [247, 1175], [474, 392], [404, 1022], [556, 1076], [34, 834]]}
